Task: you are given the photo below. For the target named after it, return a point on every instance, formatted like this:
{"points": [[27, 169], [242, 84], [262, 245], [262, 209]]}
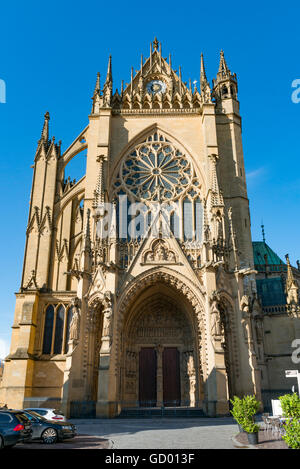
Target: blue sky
{"points": [[50, 54]]}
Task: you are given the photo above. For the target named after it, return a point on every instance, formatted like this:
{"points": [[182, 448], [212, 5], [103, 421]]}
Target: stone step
{"points": [[162, 412]]}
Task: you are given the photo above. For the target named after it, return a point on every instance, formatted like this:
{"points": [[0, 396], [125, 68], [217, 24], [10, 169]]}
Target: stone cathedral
{"points": [[139, 282]]}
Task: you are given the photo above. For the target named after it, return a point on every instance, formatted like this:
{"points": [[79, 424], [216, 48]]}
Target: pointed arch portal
{"points": [[160, 364]]}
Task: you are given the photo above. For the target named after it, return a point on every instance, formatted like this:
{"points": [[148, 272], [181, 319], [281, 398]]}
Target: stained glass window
{"points": [[57, 342], [48, 330], [59, 330]]}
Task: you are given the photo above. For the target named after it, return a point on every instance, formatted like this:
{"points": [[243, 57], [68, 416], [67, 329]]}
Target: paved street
{"points": [[201, 433]]}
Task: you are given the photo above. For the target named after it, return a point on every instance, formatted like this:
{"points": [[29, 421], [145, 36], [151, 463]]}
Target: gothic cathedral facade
{"points": [[118, 316]]}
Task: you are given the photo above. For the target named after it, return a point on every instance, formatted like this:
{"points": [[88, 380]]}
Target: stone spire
{"points": [[223, 68], [96, 96], [291, 287], [204, 85], [109, 72], [203, 79], [97, 86], [108, 86], [45, 131]]}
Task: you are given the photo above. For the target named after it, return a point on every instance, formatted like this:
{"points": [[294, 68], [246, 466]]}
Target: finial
{"points": [[263, 232], [155, 43], [287, 259]]}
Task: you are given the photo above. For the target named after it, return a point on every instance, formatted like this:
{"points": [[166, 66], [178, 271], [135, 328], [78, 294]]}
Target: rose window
{"points": [[156, 171]]}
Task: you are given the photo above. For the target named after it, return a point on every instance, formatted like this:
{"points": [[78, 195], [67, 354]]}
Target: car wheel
{"points": [[1, 443], [49, 436]]}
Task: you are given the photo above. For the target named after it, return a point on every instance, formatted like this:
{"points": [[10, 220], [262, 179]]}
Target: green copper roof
{"points": [[260, 249]]}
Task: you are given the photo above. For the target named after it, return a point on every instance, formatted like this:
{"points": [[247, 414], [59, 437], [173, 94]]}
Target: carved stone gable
{"points": [[160, 253]]}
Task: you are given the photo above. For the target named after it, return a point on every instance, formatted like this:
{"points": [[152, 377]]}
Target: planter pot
{"points": [[253, 438]]}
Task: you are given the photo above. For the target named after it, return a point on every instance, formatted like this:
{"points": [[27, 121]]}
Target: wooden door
{"points": [[147, 377], [171, 377]]}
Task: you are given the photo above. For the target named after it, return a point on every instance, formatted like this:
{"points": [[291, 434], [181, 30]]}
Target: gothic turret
{"points": [[225, 85]]}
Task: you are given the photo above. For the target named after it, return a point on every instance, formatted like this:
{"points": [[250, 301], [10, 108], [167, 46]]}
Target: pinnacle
{"points": [[97, 86], [45, 131], [109, 71], [223, 68], [203, 78]]}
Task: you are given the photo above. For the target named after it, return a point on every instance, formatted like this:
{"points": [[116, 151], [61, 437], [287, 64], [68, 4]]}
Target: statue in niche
{"points": [[216, 327], [107, 314], [246, 313], [190, 366], [75, 321]]}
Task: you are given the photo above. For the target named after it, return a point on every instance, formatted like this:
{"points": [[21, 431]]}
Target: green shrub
{"points": [[244, 410], [237, 409], [290, 404], [251, 407], [292, 433]]}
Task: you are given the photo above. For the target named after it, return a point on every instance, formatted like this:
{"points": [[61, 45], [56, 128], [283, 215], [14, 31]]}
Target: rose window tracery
{"points": [[155, 171]]}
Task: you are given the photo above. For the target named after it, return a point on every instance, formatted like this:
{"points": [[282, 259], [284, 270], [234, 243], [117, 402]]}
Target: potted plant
{"points": [[243, 411], [250, 407], [252, 429]]}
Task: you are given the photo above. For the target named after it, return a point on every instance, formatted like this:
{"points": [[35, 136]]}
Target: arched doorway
{"points": [[160, 363]]}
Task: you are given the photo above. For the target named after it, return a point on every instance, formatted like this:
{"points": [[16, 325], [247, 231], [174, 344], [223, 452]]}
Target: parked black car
{"points": [[15, 426], [48, 431]]}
